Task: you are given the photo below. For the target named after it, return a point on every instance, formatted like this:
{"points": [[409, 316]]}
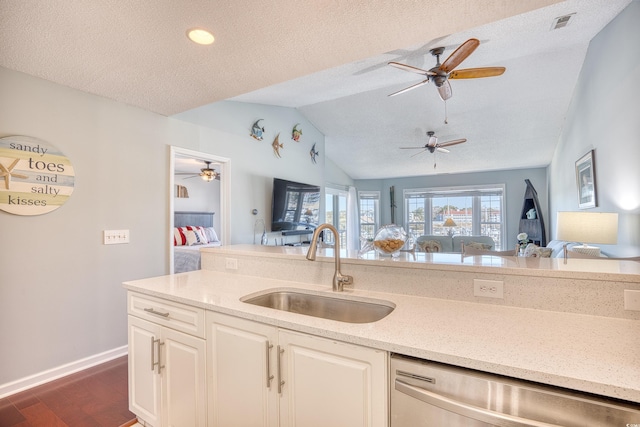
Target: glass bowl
{"points": [[389, 240]]}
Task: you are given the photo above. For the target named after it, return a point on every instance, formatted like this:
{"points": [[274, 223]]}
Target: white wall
{"points": [[604, 116], [514, 193], [224, 131], [61, 298]]}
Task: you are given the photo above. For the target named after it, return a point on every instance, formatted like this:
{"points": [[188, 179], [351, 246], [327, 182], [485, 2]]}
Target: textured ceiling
{"points": [[136, 52], [510, 121]]}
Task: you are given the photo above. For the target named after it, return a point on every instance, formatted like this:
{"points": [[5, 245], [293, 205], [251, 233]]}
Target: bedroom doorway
{"points": [[203, 195]]}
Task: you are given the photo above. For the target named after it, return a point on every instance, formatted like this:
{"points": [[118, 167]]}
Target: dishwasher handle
{"points": [[464, 409]]}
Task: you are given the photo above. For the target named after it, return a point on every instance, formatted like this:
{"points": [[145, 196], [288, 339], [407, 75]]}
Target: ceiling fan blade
{"points": [[459, 55], [454, 142], [406, 89], [419, 152], [442, 150], [445, 91], [185, 173], [412, 148], [412, 69], [476, 73]]}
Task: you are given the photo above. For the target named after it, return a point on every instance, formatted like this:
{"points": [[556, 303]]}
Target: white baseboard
{"points": [[59, 372]]}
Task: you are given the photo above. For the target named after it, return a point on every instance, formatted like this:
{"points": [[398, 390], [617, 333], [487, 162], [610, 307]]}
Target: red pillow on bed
{"points": [[189, 235]]}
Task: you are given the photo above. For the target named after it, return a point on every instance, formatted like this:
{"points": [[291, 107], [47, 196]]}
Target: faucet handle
{"points": [[345, 279]]}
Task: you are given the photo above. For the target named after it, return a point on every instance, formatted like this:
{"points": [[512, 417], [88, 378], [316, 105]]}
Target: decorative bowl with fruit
{"points": [[389, 240]]}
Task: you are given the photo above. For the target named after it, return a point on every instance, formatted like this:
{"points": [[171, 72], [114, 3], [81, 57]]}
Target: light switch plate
{"points": [[115, 237]]}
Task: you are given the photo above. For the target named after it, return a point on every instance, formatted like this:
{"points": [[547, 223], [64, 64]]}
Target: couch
{"points": [[433, 243]]}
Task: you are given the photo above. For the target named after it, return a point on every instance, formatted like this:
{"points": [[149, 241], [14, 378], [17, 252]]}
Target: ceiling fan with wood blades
{"points": [[433, 145], [441, 73], [207, 173]]}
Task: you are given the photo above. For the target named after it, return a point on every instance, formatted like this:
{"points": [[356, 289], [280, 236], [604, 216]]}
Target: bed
{"points": [[192, 232]]}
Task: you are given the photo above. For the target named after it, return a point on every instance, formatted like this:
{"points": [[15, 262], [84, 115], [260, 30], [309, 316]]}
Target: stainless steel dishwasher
{"points": [[436, 395]]}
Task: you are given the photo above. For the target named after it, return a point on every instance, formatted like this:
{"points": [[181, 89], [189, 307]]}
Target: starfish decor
{"points": [[7, 174]]}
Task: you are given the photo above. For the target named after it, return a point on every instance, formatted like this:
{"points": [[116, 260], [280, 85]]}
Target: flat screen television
{"points": [[294, 206]]}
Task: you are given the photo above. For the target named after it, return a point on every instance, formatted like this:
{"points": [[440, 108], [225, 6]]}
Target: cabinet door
{"points": [[144, 382], [330, 383], [241, 361], [183, 380]]}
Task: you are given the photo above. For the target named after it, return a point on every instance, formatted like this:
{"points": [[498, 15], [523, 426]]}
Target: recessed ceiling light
{"points": [[200, 36]]}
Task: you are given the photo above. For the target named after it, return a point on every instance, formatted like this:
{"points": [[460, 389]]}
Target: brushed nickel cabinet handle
{"points": [[153, 353], [160, 365], [279, 359], [269, 375], [157, 313]]}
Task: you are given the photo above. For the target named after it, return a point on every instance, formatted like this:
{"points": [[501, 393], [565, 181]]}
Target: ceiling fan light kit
{"points": [[433, 145], [440, 74], [207, 173]]}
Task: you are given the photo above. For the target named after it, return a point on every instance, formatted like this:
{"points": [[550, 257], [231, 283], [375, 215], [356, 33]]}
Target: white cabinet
{"points": [[264, 376], [167, 363], [241, 376]]}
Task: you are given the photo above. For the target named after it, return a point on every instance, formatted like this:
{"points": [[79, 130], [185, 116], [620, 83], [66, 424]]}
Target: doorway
{"points": [[185, 166]]}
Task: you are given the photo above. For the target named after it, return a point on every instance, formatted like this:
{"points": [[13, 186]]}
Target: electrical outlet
{"points": [[115, 237], [631, 299], [231, 263], [488, 288]]}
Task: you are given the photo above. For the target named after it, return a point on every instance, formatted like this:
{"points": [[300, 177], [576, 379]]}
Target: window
{"points": [[473, 211], [369, 213], [336, 214]]}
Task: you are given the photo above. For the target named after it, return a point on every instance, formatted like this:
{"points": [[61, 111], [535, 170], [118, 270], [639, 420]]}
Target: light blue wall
{"points": [[61, 295], [604, 116], [512, 179], [224, 130]]}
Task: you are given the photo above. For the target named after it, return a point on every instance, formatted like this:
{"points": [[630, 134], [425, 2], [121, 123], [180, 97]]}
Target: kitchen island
{"points": [[558, 324]]}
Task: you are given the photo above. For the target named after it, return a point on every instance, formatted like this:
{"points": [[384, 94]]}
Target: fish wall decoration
{"points": [[313, 153], [296, 133], [257, 131], [277, 146]]}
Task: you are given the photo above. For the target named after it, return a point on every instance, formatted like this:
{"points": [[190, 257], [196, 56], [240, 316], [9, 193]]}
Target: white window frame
{"points": [[336, 194], [475, 191], [369, 195]]}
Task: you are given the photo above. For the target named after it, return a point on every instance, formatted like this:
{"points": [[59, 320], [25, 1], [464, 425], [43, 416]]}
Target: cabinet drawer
{"points": [[174, 315]]}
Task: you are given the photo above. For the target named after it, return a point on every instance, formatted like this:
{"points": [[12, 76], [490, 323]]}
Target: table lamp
{"points": [[587, 227], [450, 223]]}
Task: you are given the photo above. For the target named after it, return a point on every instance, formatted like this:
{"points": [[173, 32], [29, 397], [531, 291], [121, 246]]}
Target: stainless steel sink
{"points": [[363, 310]]}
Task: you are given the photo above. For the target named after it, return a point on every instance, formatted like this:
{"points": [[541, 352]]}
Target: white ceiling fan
{"points": [[433, 145]]}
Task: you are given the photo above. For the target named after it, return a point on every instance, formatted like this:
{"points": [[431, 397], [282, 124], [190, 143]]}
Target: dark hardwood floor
{"points": [[95, 397]]}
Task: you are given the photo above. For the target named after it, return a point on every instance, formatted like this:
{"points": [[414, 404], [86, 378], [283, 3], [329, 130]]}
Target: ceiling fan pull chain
{"points": [[446, 121]]}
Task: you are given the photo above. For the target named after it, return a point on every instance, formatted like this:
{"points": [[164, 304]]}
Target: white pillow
{"points": [[195, 237], [210, 235]]}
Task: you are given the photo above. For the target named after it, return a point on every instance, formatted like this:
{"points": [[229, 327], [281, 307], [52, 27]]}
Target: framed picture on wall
{"points": [[586, 180]]}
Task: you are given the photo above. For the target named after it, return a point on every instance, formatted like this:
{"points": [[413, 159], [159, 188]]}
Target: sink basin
{"points": [[362, 310]]}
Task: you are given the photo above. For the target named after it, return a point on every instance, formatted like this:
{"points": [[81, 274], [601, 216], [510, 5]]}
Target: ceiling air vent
{"points": [[562, 21]]}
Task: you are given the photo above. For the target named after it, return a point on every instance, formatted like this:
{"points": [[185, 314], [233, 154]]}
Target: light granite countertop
{"points": [[594, 354], [574, 268]]}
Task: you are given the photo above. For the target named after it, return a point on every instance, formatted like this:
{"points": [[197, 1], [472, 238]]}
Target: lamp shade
{"points": [[450, 223], [587, 227]]}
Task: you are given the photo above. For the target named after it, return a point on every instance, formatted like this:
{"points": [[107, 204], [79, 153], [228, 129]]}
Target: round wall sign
{"points": [[35, 178]]}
